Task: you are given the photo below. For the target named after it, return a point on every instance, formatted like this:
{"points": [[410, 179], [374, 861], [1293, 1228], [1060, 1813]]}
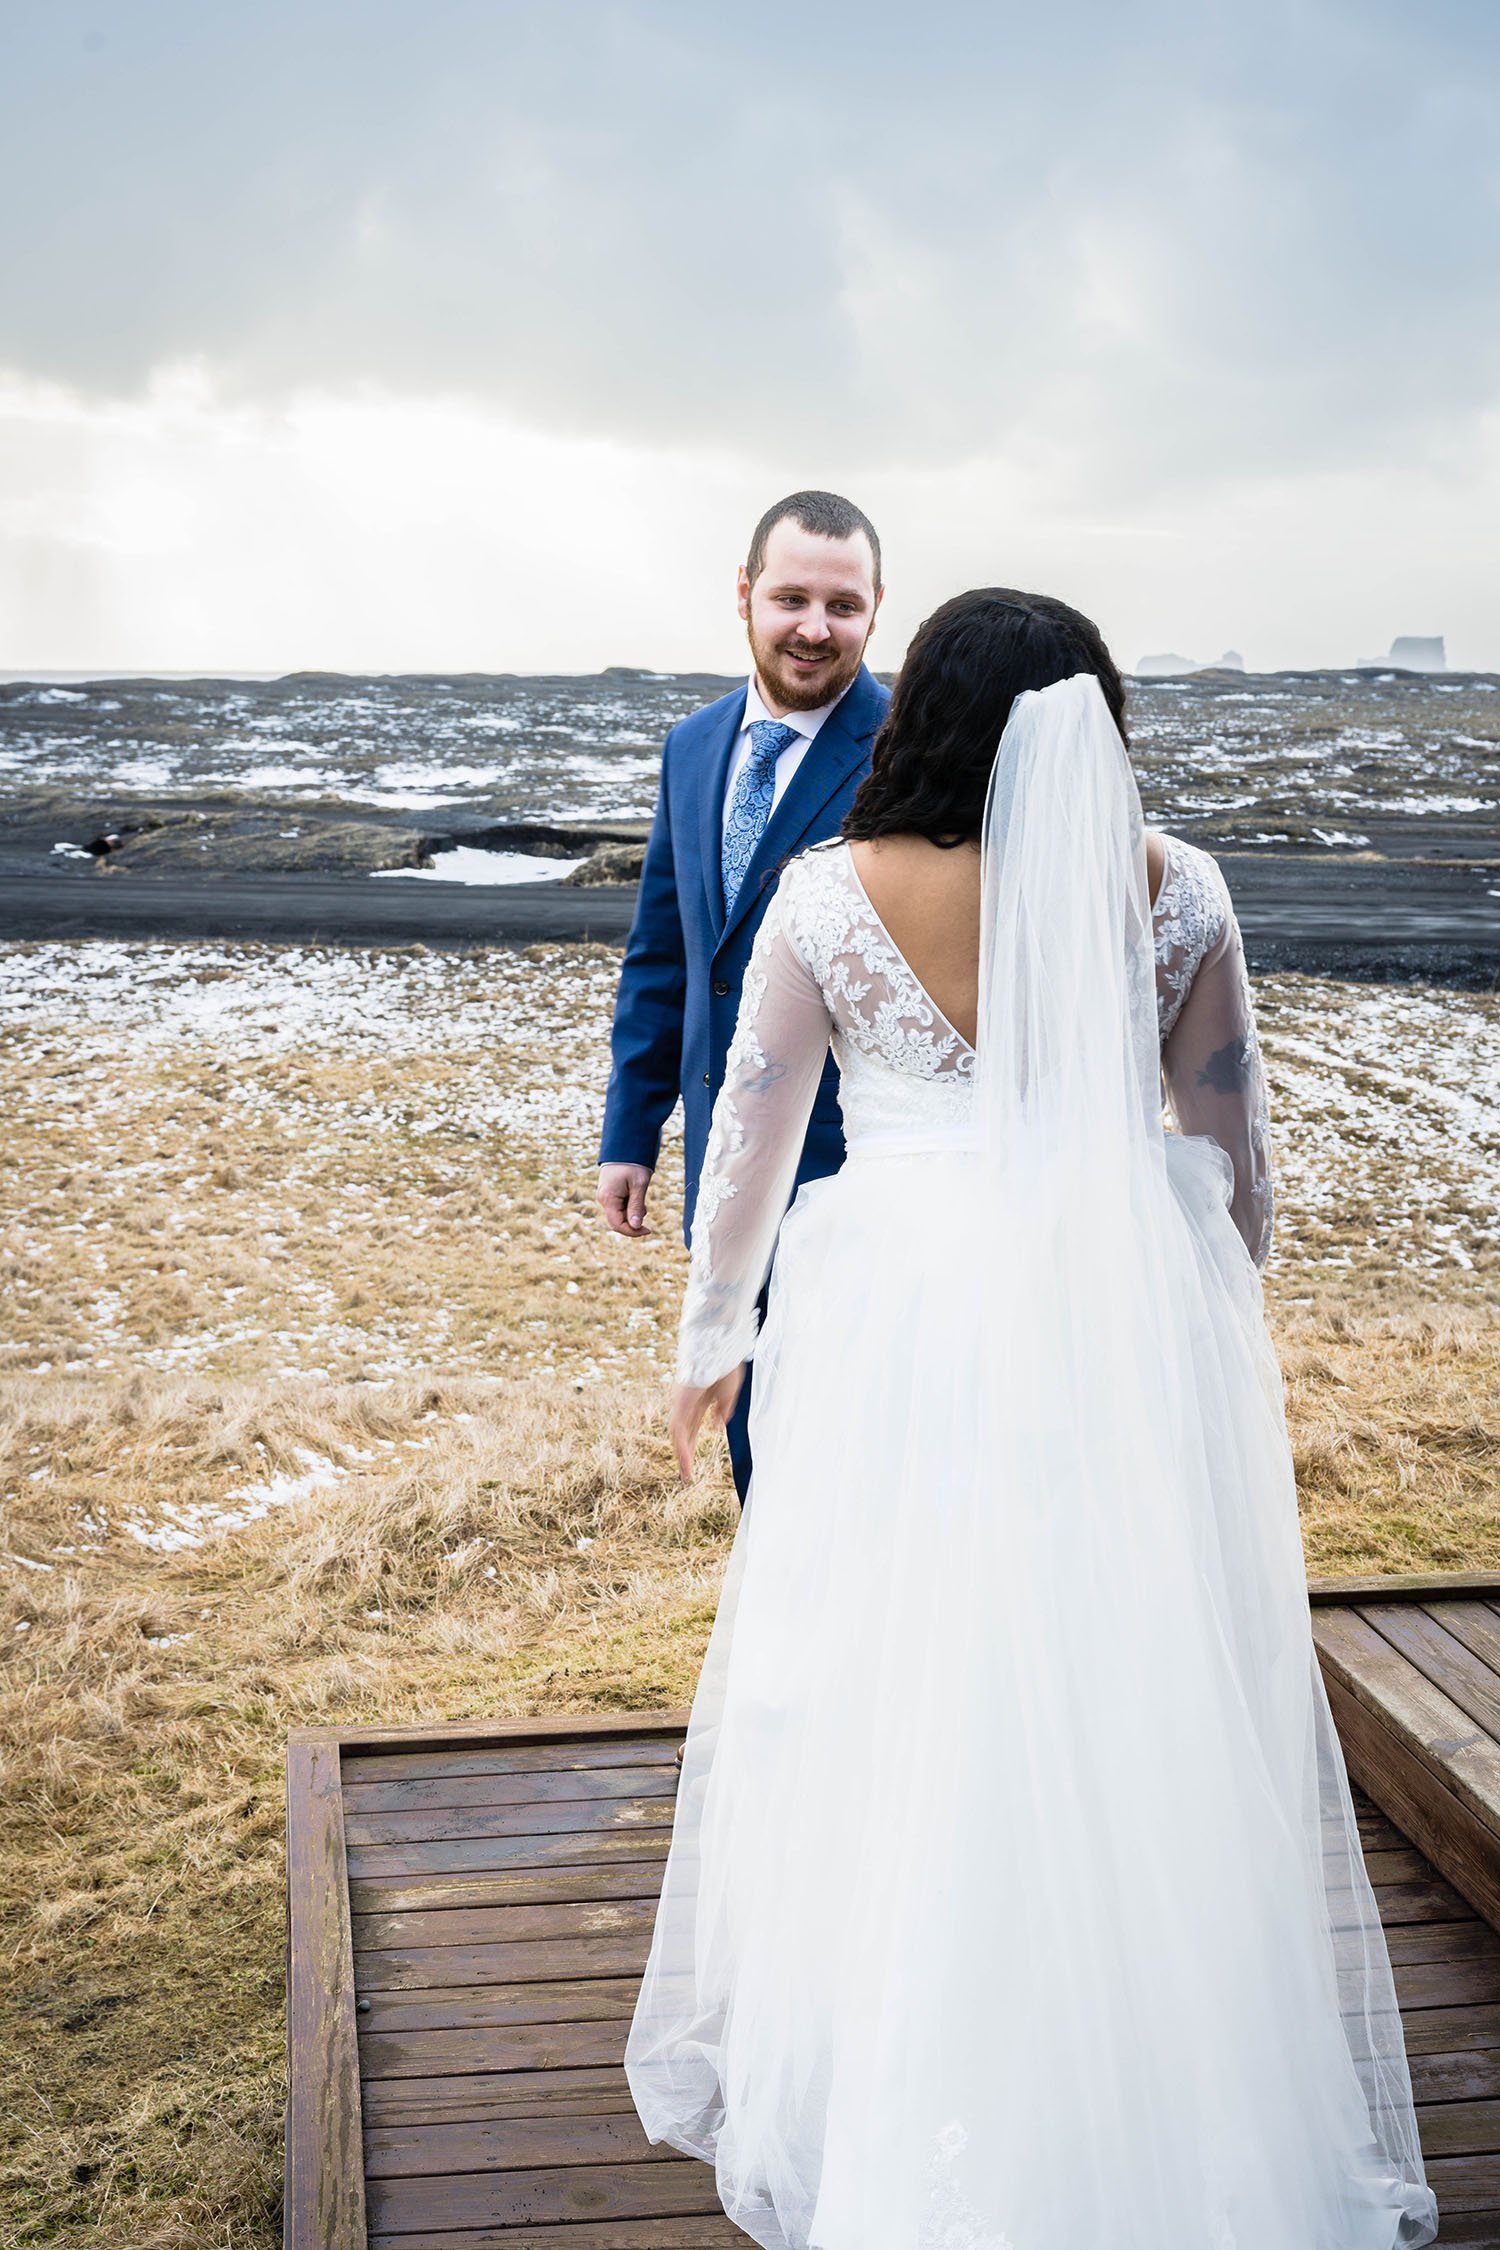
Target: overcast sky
{"points": [[477, 334]]}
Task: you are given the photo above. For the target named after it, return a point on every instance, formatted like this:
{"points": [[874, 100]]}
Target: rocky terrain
{"points": [[1357, 815]]}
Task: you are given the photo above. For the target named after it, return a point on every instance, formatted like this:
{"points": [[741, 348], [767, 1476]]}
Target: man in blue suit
{"points": [[744, 784]]}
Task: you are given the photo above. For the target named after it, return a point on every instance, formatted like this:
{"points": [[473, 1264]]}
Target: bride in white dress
{"points": [[1015, 1898]]}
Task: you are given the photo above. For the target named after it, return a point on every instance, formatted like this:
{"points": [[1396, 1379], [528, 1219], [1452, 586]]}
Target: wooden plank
{"points": [[705, 2232], [1399, 1903], [600, 2087], [416, 2151], [1473, 1623], [1461, 2129], [576, 2000], [494, 1925], [407, 2114], [1435, 1984], [1477, 2230], [1441, 1658], [484, 1734], [482, 1855], [617, 1954], [1437, 1821], [1404, 1866], [1429, 1725], [1451, 2031], [529, 2046], [324, 2206], [568, 1816], [1418, 1586], [513, 1758], [1471, 2077], [677, 2188], [634, 1879], [459, 2006], [1468, 1940], [430, 1792], [1464, 2183], [1386, 1838]]}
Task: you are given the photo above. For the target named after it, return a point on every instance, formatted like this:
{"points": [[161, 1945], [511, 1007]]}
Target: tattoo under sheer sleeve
{"points": [[1215, 1084], [755, 1141]]}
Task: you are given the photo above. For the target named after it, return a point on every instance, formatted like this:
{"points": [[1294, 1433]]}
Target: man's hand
{"points": [[690, 1405], [622, 1197]]}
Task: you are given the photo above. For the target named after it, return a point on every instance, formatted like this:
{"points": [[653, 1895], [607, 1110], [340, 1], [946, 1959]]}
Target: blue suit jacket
{"points": [[685, 961]]}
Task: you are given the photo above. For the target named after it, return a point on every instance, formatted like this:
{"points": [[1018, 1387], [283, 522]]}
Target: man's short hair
{"points": [[826, 513]]}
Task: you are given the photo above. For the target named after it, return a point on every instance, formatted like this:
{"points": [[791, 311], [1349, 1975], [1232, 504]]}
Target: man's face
{"points": [[809, 615]]}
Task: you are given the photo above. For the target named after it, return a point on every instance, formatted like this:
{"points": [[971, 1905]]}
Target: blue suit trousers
{"points": [[737, 1428]]}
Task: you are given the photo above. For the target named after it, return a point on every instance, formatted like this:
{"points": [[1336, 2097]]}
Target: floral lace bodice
{"points": [[824, 967]]}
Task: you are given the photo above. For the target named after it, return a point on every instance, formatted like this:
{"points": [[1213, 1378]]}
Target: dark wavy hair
{"points": [[930, 764]]}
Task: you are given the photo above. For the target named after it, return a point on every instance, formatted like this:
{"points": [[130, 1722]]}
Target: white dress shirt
{"points": [[806, 723]]}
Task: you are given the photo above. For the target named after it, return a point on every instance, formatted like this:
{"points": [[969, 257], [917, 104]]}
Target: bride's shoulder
{"points": [[817, 904], [815, 868], [1190, 902]]}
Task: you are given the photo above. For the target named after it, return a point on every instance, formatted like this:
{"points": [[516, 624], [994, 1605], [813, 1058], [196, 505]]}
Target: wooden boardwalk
{"points": [[470, 1909]]}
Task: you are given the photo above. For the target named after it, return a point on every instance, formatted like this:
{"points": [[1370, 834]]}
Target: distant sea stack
{"points": [[1410, 652], [1416, 654], [1168, 667]]}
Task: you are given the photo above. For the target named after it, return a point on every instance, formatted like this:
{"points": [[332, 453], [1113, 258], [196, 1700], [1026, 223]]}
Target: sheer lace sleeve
{"points": [[754, 1143], [1212, 1070]]}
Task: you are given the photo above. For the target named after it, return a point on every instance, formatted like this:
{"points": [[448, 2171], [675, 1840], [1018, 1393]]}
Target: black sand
{"points": [[1387, 920], [310, 910]]}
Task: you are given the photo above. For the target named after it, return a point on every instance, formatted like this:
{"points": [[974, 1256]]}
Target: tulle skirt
{"points": [[1015, 1898]]}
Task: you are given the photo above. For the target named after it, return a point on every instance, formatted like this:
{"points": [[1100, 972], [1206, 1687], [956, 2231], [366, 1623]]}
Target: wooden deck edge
{"points": [[482, 1734], [325, 2178], [1382, 1760], [1429, 1725], [1438, 1585]]}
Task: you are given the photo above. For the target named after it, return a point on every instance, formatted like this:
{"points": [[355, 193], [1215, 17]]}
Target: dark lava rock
{"points": [[610, 863]]}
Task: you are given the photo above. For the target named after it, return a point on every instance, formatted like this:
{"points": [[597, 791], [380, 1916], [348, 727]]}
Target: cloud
{"points": [[183, 529], [1164, 243], [344, 332], [189, 530]]}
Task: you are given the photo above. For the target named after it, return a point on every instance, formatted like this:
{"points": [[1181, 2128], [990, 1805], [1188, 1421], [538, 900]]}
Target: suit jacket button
{"points": [[720, 987], [705, 1078]]}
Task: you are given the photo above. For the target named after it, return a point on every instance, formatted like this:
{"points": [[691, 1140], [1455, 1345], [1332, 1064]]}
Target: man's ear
{"points": [[879, 598], [744, 592]]}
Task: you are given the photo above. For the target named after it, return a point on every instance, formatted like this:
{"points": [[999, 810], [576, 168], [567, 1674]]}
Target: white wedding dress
{"points": [[1015, 1898]]}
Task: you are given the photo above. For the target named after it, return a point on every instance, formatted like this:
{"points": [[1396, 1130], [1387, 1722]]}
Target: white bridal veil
{"points": [[1185, 1757]]}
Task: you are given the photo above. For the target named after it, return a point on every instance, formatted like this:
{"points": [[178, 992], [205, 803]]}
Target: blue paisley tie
{"points": [[750, 805]]}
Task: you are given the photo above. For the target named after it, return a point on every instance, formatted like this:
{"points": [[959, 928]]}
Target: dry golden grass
{"points": [[532, 1552], [332, 1228], [1394, 1412]]}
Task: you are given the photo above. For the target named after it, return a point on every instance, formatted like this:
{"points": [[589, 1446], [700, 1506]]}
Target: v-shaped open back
{"points": [[905, 974], [878, 1001]]}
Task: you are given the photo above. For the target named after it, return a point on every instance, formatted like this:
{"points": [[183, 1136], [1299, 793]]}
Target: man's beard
{"points": [[796, 694]]}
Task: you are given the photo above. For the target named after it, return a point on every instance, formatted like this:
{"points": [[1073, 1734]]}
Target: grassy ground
{"points": [[328, 1398]]}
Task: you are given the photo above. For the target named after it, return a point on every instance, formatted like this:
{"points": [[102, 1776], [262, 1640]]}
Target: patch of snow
{"points": [[190, 1524], [466, 863]]}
